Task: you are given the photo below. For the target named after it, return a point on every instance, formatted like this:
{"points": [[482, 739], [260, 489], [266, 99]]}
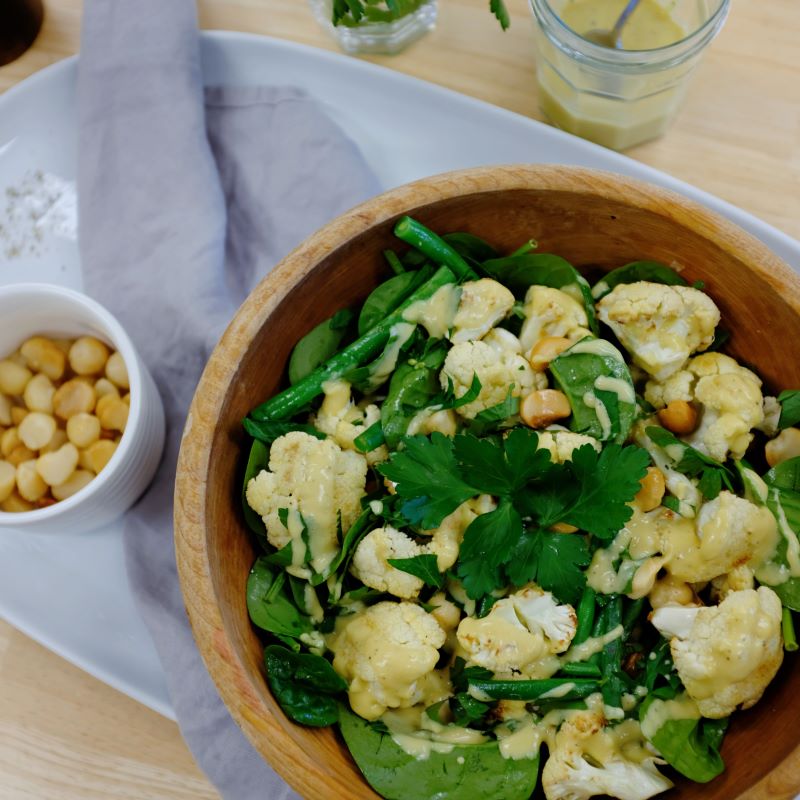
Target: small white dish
{"points": [[30, 309]]}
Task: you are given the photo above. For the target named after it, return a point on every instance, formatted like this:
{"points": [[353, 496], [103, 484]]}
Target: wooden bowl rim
{"points": [[292, 762]]}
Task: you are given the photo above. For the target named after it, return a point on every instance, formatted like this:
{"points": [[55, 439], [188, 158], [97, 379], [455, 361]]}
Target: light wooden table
{"points": [[66, 736]]}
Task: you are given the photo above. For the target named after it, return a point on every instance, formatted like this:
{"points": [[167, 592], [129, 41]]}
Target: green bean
{"points": [[611, 657], [394, 262], [787, 626], [531, 690], [531, 244], [586, 610], [434, 247], [370, 439], [291, 400], [631, 616], [581, 669]]}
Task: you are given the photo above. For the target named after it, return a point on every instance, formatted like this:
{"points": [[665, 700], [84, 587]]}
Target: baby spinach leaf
{"points": [[690, 746], [585, 375], [470, 247], [652, 271], [519, 272], [691, 462], [318, 345], [785, 475], [784, 503], [790, 408], [423, 567], [306, 686], [270, 605], [413, 386], [467, 772], [268, 431], [386, 298], [257, 460]]}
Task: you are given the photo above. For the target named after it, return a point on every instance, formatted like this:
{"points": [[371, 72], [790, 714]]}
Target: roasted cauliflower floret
{"points": [[370, 562], [498, 373], [340, 418], [430, 421], [483, 304], [660, 326], [589, 759], [729, 397], [731, 532], [384, 653], [503, 341], [446, 539], [315, 481], [726, 655], [519, 630], [551, 312], [561, 444]]}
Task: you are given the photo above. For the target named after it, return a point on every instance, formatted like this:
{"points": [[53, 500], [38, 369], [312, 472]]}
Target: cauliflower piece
{"points": [[430, 421], [730, 399], [483, 304], [589, 759], [343, 420], [561, 444], [446, 539], [772, 415], [385, 653], [519, 630], [496, 374], [552, 312], [503, 341], [315, 480], [726, 655], [737, 580], [370, 562], [731, 531], [660, 326]]}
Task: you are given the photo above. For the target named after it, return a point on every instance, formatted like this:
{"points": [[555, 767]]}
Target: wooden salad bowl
{"points": [[594, 219]]}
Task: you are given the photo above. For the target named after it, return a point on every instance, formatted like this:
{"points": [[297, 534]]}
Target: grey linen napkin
{"points": [[186, 202]]}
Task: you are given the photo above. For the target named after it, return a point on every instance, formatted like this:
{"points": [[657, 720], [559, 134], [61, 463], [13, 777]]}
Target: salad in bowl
{"points": [[519, 529]]}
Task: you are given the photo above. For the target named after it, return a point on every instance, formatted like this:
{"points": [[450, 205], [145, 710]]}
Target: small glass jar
{"points": [[618, 98], [388, 36]]}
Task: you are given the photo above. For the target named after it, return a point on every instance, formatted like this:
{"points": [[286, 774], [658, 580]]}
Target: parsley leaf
{"points": [[487, 543], [423, 567], [692, 462], [427, 477], [790, 408], [591, 491], [553, 560], [498, 8], [494, 416]]}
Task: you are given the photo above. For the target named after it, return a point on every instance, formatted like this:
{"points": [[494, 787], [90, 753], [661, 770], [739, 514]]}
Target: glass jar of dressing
{"points": [[619, 97]]}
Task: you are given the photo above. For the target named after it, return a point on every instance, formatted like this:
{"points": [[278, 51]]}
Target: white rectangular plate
{"points": [[71, 593]]}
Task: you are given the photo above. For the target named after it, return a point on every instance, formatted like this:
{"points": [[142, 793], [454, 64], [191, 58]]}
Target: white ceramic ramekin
{"points": [[29, 309]]}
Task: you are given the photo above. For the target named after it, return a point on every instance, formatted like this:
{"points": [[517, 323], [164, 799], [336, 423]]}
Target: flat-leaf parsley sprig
{"points": [[434, 475]]}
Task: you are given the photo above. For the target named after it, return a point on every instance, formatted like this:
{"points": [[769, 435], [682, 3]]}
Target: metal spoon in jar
{"points": [[612, 38]]}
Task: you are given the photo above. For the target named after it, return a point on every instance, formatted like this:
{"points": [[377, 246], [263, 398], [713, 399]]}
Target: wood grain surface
{"points": [[738, 136], [596, 220]]}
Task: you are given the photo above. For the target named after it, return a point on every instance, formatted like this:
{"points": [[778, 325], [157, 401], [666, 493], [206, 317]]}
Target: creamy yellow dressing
{"points": [[418, 735], [622, 389], [597, 347], [592, 645], [522, 742], [386, 363], [591, 400], [792, 543], [436, 314], [650, 26], [313, 606], [662, 711]]}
